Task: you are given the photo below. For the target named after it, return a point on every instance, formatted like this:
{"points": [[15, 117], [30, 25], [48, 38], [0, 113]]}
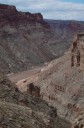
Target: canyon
{"points": [[38, 86], [27, 40]]}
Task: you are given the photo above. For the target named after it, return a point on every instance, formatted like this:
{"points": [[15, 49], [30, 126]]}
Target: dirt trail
{"points": [[25, 74]]}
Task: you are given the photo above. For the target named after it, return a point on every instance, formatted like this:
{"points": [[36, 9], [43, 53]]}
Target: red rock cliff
{"points": [[10, 15]]}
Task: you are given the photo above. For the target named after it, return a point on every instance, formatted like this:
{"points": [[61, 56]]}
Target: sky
{"points": [[51, 9]]}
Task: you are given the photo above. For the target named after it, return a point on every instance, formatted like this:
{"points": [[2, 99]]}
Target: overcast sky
{"points": [[51, 9]]}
